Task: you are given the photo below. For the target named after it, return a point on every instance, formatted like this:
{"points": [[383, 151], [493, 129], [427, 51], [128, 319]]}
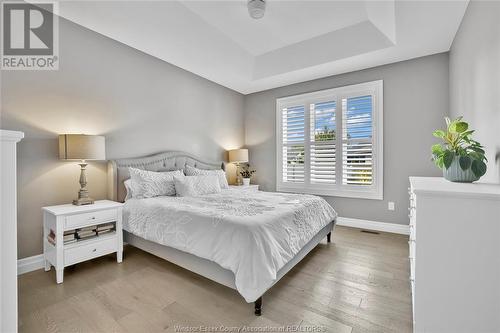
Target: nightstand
{"points": [[251, 187], [96, 230]]}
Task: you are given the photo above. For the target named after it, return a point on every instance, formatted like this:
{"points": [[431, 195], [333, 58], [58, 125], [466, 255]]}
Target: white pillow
{"points": [[192, 171], [128, 187], [192, 186], [147, 184]]}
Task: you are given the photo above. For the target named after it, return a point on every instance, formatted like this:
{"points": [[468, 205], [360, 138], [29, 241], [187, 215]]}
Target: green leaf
{"points": [[439, 162], [461, 127], [448, 121], [452, 124], [448, 158], [478, 168], [477, 149], [439, 134], [477, 156], [465, 162], [437, 149], [467, 133], [461, 151], [475, 143]]}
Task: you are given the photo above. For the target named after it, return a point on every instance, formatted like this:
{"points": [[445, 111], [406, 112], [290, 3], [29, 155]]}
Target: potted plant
{"points": [[246, 174], [461, 158]]}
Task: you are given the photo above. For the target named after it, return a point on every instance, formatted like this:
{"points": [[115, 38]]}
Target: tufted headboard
{"points": [[166, 161]]}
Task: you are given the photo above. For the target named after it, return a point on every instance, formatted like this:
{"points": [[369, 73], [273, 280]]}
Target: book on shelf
{"points": [[89, 228], [103, 232], [68, 237], [51, 237], [86, 234], [104, 227], [86, 230], [86, 237], [51, 240]]}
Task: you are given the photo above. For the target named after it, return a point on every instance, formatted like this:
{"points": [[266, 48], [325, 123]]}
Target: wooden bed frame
{"points": [[175, 160]]}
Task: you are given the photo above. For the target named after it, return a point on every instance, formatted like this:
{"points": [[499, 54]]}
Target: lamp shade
{"points": [[238, 155], [81, 147]]}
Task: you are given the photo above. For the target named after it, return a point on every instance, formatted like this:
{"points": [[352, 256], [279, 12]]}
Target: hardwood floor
{"points": [[358, 283]]}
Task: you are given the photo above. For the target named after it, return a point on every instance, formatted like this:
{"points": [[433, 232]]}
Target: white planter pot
{"points": [[246, 181]]}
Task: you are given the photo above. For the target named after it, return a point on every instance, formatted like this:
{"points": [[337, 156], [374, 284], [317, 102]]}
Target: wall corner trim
{"points": [[374, 225], [29, 264]]}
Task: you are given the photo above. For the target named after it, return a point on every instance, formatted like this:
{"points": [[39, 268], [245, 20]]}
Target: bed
{"points": [[244, 240]]}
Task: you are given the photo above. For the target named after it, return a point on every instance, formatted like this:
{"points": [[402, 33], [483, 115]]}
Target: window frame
{"points": [[373, 191]]}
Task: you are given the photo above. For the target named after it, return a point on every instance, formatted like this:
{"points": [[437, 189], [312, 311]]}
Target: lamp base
{"points": [[83, 201], [83, 194], [238, 180]]}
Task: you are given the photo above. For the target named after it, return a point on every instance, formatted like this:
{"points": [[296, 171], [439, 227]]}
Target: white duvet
{"points": [[252, 234]]}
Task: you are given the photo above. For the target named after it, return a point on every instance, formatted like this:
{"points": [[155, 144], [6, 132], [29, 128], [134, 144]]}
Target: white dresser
{"points": [[454, 255], [8, 230]]}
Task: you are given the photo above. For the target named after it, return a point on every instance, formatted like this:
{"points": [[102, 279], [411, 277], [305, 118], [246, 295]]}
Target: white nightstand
{"points": [[64, 218], [251, 187]]}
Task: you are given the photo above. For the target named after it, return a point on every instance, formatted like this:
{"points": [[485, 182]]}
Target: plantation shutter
{"points": [[330, 142], [322, 143], [357, 140], [293, 138]]}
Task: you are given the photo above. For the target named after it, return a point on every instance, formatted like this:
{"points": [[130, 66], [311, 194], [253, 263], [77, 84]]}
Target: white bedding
{"points": [[252, 234]]}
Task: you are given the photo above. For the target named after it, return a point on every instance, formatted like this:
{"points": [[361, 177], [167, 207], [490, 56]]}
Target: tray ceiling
{"points": [[295, 41]]}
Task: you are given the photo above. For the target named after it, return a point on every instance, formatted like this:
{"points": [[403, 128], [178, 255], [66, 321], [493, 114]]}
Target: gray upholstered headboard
{"points": [[166, 161]]}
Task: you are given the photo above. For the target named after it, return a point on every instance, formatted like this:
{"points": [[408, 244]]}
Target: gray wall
{"points": [[141, 104], [415, 103], [475, 78]]}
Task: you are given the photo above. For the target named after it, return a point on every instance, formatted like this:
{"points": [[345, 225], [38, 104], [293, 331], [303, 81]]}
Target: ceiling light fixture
{"points": [[256, 8]]}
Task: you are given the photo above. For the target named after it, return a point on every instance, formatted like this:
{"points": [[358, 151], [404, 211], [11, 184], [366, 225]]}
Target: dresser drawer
{"points": [[81, 220], [90, 249]]}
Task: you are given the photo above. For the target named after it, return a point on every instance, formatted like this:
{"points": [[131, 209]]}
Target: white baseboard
{"points": [[374, 225], [33, 263], [29, 264]]}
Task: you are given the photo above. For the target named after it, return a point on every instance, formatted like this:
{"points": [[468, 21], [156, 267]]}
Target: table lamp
{"points": [[238, 156], [82, 147]]}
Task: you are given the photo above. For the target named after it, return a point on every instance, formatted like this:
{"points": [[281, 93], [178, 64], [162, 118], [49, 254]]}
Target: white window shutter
{"points": [[293, 138], [357, 145], [322, 142], [330, 142]]}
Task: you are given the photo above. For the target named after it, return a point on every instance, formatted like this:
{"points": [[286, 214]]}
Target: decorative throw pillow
{"points": [[192, 186], [192, 171], [147, 184]]}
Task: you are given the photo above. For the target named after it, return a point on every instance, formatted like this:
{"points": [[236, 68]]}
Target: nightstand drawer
{"points": [[91, 249], [81, 220]]}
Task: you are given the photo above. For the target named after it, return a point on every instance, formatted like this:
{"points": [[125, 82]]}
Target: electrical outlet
{"points": [[390, 205]]}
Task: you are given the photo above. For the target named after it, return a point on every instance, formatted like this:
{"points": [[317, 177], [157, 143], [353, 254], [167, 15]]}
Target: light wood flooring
{"points": [[358, 283]]}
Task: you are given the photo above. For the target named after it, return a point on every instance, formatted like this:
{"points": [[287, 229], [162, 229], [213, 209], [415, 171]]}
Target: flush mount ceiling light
{"points": [[256, 8]]}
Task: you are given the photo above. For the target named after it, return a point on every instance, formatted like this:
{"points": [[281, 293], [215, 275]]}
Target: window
{"points": [[329, 142]]}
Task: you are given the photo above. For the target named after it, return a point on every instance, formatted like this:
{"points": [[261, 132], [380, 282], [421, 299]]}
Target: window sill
{"points": [[371, 194]]}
